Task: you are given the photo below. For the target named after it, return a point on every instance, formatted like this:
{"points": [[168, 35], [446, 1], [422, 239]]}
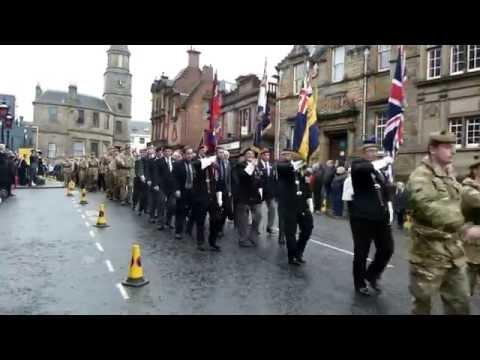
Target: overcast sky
{"points": [[54, 67]]}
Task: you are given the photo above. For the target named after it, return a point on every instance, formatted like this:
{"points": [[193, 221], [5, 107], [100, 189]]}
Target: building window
{"points": [[52, 151], [107, 122], [229, 124], [381, 118], [81, 117], [458, 59], [120, 106], [118, 127], [245, 121], [94, 148], [473, 57], [434, 63], [142, 141], [96, 121], [206, 110], [473, 131], [338, 63], [298, 77], [78, 149], [383, 57], [52, 113], [456, 128]]}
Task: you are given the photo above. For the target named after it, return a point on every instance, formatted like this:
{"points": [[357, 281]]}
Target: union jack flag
{"points": [[393, 136]]}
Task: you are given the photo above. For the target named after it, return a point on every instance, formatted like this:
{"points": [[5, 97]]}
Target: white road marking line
{"points": [[87, 224], [92, 234], [109, 265], [83, 217], [341, 250], [99, 247], [123, 292]]}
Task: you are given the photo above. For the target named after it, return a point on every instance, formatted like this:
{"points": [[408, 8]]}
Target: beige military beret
{"points": [[442, 137]]}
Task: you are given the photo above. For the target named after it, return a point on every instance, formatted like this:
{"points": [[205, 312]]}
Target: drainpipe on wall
{"points": [[366, 52]]}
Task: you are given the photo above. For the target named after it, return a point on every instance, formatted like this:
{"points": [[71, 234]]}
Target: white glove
{"points": [[297, 164], [390, 210], [219, 198], [142, 178], [260, 191], [206, 162], [310, 204], [347, 190], [382, 163], [149, 183], [178, 194], [156, 188], [250, 168]]}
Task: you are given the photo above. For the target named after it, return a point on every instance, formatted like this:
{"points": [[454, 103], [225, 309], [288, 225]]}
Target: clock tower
{"points": [[118, 91]]}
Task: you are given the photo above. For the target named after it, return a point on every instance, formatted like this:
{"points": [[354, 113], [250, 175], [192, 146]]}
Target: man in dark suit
{"points": [[249, 199], [269, 184], [166, 207], [183, 186], [205, 200], [151, 177], [139, 184], [223, 176], [371, 214], [296, 204]]}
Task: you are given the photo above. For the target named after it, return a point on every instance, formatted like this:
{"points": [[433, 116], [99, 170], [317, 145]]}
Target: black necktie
{"points": [[189, 176]]}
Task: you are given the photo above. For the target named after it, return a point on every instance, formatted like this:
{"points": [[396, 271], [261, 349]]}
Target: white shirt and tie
{"points": [[169, 163], [267, 166]]}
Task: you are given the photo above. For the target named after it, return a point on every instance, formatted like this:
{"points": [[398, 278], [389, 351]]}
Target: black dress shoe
{"points": [[139, 213], [374, 285], [178, 236], [282, 242], [215, 248], [293, 262], [161, 228], [221, 234], [151, 221], [123, 203], [300, 260], [244, 244], [171, 227], [364, 291], [254, 244], [200, 247]]}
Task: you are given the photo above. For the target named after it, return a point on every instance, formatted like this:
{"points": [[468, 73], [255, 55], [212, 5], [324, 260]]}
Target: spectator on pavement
{"points": [[23, 171], [328, 176], [337, 191], [317, 186], [400, 203], [33, 167]]}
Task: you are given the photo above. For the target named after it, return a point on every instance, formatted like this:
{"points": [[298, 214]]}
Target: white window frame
{"points": [[50, 149], [75, 153], [141, 140], [452, 63], [334, 65], [381, 50], [116, 127], [96, 125], [468, 60], [296, 80], [120, 60], [458, 124], [474, 144], [380, 129], [229, 122], [106, 125], [429, 55]]}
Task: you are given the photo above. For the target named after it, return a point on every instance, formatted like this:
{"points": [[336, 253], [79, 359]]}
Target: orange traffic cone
{"points": [[70, 188], [83, 197], [135, 272], [101, 220]]}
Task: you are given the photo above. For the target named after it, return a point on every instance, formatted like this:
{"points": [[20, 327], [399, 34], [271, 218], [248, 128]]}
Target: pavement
{"points": [[55, 262]]}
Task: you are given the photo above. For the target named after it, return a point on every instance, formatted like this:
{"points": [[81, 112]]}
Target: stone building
{"points": [[239, 114], [73, 124], [353, 83], [180, 106], [140, 134]]}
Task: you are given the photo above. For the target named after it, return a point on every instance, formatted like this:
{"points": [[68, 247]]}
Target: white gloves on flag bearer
{"points": [[250, 168], [219, 198], [206, 162], [310, 204], [142, 178], [382, 163], [297, 164], [390, 212]]}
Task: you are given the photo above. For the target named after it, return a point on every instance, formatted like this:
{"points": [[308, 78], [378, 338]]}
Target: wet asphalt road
{"points": [[54, 262]]}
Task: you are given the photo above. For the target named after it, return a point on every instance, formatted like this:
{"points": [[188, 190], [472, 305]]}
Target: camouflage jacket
{"points": [[438, 222], [471, 211], [83, 165], [130, 164]]}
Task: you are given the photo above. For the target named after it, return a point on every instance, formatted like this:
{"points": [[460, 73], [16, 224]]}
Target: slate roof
{"points": [[53, 97]]}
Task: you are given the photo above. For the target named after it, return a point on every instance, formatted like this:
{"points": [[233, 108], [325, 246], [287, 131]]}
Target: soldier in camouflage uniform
{"points": [[437, 257], [102, 171], [92, 173], [111, 173], [471, 211], [123, 171], [130, 163], [67, 170], [82, 173]]}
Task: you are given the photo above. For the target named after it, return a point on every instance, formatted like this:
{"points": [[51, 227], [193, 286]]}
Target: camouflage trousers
{"points": [[473, 276], [451, 283], [67, 177]]}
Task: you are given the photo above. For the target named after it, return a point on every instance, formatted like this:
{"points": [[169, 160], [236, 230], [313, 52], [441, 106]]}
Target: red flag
{"points": [[215, 112]]}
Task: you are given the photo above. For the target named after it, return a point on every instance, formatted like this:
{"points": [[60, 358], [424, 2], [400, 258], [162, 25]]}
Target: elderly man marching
{"points": [[471, 211], [92, 173], [437, 258], [67, 170], [123, 171]]}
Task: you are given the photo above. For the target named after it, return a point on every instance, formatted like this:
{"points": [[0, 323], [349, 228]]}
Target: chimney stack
{"points": [[38, 92], [193, 58], [72, 90]]}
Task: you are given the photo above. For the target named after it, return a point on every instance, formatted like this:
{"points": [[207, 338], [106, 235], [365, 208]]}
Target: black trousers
{"points": [[400, 218], [182, 210], [364, 231], [154, 198], [166, 207], [139, 195], [304, 221], [101, 182], [281, 220], [317, 197], [199, 214], [226, 211]]}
